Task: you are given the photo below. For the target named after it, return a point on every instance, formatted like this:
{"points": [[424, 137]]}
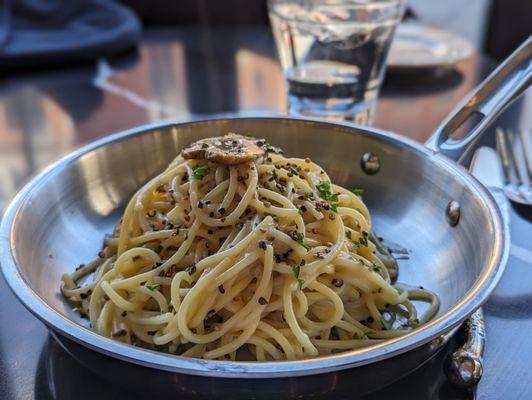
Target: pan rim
{"points": [[473, 299]]}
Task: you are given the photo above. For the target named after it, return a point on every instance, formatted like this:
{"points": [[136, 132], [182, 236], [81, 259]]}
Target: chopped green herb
{"points": [[299, 239], [296, 269], [200, 173], [324, 191], [204, 146], [375, 267], [151, 287], [360, 337], [293, 171], [348, 234], [248, 135], [387, 320], [362, 241], [357, 192], [300, 283], [413, 322], [158, 249], [308, 194], [274, 174]]}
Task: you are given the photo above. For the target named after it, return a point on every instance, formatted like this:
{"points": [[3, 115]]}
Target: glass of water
{"points": [[333, 53]]}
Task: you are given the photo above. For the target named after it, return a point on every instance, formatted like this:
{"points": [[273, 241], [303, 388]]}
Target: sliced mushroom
{"points": [[230, 149]]}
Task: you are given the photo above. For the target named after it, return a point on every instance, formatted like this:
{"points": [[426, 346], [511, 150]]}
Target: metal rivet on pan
{"points": [[453, 212], [370, 163]]}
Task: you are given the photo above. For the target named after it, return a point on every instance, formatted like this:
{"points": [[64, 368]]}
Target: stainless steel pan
{"points": [[419, 199]]}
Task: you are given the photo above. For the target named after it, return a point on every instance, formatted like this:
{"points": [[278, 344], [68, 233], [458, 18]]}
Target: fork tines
{"points": [[515, 160]]}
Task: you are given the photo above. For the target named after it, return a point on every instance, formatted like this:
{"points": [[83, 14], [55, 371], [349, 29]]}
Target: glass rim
{"points": [[354, 3], [398, 6]]}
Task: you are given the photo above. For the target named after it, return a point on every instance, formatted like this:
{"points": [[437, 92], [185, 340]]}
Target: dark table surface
{"points": [[178, 74]]}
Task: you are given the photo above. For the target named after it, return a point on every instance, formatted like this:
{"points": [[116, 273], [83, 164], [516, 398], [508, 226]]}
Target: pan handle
{"points": [[463, 368], [484, 104]]}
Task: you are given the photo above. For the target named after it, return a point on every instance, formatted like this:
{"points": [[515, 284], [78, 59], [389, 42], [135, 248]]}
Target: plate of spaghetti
{"points": [[237, 252]]}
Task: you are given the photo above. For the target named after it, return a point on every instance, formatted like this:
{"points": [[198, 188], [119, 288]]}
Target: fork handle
{"points": [[485, 103]]}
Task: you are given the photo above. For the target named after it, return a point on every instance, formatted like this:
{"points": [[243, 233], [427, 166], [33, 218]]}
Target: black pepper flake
{"points": [[370, 320], [191, 270], [211, 214], [337, 282], [277, 258], [120, 333], [365, 233], [80, 266], [221, 289], [200, 204], [263, 301], [124, 313], [248, 210], [262, 244], [221, 210], [101, 254], [210, 232]]}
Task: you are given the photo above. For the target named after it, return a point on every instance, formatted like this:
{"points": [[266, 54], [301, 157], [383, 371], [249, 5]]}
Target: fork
{"points": [[516, 165]]}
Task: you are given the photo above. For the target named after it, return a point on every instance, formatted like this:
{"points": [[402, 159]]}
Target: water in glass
{"points": [[333, 53]]}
